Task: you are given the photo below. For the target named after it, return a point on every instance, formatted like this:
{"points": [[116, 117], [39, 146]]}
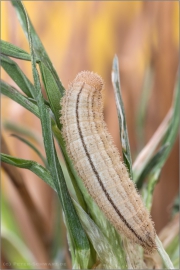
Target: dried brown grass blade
{"points": [[18, 183]]}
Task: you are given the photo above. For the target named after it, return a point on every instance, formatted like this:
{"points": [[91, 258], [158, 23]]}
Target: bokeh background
{"points": [[80, 35]]}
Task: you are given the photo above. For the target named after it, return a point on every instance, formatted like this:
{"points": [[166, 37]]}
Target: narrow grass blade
{"points": [[147, 152], [173, 251], [15, 250], [167, 262], [35, 102], [142, 106], [169, 236], [148, 189], [52, 91], [30, 165], [168, 139], [134, 254], [17, 181], [15, 95], [172, 131], [39, 49], [76, 188], [32, 147], [176, 206], [99, 241], [121, 116], [17, 75], [23, 130], [76, 232], [13, 51], [12, 246], [19, 78], [148, 168], [73, 175], [36, 168], [154, 166], [12, 93]]}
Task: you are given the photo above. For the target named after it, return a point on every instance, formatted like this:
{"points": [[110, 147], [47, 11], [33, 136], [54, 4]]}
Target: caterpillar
{"points": [[98, 162]]}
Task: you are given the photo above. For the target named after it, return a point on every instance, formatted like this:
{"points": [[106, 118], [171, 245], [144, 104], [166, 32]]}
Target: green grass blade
{"points": [[52, 91], [142, 107], [32, 146], [72, 173], [167, 144], [148, 168], [173, 251], [169, 236], [172, 131], [39, 49], [173, 128], [77, 190], [125, 144], [121, 116], [101, 244], [23, 130], [15, 250], [164, 135], [148, 188], [30, 165], [176, 206], [147, 152], [167, 262], [17, 75], [45, 102], [76, 232], [13, 51], [36, 168], [15, 95]]}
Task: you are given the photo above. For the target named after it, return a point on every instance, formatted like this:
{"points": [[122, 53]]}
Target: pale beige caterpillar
{"points": [[98, 162]]}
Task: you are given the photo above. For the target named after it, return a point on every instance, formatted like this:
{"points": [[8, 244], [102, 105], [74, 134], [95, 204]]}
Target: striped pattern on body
{"points": [[98, 162]]}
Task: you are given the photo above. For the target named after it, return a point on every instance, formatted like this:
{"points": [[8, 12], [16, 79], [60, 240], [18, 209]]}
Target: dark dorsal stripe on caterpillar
{"points": [[98, 162]]}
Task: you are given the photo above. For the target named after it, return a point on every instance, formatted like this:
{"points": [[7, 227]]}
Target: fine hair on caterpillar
{"points": [[98, 162]]}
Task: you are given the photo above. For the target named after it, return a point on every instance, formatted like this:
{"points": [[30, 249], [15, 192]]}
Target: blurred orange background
{"points": [[85, 35]]}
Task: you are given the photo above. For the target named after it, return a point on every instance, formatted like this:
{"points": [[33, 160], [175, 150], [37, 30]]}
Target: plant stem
{"points": [[163, 254]]}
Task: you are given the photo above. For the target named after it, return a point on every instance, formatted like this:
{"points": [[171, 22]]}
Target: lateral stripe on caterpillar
{"points": [[98, 163]]}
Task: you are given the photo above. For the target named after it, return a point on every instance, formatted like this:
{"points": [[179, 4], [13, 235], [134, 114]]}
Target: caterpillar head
{"points": [[90, 78]]}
